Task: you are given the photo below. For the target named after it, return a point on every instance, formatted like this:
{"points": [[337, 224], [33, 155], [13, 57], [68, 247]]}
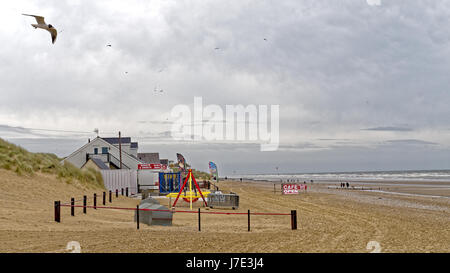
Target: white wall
{"points": [[118, 179]]}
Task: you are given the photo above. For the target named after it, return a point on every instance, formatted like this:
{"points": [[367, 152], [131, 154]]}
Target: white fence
{"points": [[118, 179]]}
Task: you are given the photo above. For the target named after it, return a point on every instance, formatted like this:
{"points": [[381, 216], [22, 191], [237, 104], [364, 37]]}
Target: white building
{"points": [[107, 149]]}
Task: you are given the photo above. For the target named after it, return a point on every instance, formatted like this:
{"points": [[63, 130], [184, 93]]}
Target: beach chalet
{"points": [[104, 153]]}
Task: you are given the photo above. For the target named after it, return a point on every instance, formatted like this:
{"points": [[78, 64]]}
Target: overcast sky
{"points": [[359, 86]]}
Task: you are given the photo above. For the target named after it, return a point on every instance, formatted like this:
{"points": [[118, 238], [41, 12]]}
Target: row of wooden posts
{"points": [[293, 219], [57, 204], [72, 209]]}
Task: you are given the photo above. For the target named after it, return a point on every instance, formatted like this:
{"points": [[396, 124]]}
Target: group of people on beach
{"points": [[345, 184]]}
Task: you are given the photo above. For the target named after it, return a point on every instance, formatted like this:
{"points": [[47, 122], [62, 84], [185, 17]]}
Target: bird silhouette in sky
{"points": [[41, 24]]}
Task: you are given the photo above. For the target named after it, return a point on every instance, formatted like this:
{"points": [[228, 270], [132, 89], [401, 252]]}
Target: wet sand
{"points": [[420, 188]]}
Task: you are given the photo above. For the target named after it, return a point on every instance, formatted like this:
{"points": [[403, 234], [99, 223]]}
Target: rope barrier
{"points": [[72, 205], [181, 211]]}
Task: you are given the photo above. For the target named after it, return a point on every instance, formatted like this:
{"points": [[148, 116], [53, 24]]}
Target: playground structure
{"points": [[192, 195]]}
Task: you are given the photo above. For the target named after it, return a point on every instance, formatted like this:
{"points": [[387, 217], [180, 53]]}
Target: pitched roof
{"points": [[115, 140], [151, 158], [100, 163]]}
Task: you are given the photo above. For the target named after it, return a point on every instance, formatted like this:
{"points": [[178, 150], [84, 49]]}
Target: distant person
{"points": [[241, 179], [348, 185]]}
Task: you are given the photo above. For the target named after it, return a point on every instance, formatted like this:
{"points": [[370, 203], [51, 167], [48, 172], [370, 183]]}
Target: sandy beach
{"points": [[329, 220]]}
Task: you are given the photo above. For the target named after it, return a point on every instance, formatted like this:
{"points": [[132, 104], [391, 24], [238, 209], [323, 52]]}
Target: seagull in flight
{"points": [[41, 24]]}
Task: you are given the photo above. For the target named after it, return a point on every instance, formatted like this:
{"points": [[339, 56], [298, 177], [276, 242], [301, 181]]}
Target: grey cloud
{"points": [[389, 128], [410, 142]]}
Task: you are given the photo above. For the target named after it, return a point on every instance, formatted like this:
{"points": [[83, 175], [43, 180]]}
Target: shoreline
{"points": [[438, 189]]}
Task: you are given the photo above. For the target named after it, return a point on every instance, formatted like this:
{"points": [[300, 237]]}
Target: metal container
{"points": [[218, 199]]}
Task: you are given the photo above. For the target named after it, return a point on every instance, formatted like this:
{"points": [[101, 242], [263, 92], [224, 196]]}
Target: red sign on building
{"points": [[152, 167], [292, 188]]}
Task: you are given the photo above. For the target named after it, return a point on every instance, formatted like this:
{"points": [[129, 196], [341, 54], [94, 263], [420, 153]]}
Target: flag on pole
{"points": [[181, 163], [213, 170]]}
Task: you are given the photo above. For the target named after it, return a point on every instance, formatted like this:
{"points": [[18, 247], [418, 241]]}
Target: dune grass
{"points": [[19, 160]]}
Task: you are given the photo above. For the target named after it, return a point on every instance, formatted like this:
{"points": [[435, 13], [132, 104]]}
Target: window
{"points": [[104, 150], [95, 151]]}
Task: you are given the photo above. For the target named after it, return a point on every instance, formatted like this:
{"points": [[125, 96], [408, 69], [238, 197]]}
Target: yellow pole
{"points": [[190, 188]]}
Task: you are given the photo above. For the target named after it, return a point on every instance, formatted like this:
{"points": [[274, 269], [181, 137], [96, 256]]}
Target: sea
{"points": [[410, 175]]}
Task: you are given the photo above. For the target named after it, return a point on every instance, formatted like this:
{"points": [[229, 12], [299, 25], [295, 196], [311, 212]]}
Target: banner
{"points": [[213, 170], [181, 163]]}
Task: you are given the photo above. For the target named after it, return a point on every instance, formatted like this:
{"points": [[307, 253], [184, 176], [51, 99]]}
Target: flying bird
{"points": [[41, 24], [108, 45]]}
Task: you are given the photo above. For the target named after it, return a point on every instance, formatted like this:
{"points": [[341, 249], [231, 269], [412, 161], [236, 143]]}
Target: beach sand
{"points": [[329, 220]]}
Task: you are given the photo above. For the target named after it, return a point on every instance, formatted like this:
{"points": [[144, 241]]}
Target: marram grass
{"points": [[19, 160]]}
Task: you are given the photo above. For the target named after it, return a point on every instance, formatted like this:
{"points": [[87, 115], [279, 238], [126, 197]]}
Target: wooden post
{"points": [[248, 220], [72, 208], [199, 222], [126, 191], [137, 216], [57, 212], [95, 201], [120, 151], [104, 198], [110, 196], [84, 204], [294, 219]]}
